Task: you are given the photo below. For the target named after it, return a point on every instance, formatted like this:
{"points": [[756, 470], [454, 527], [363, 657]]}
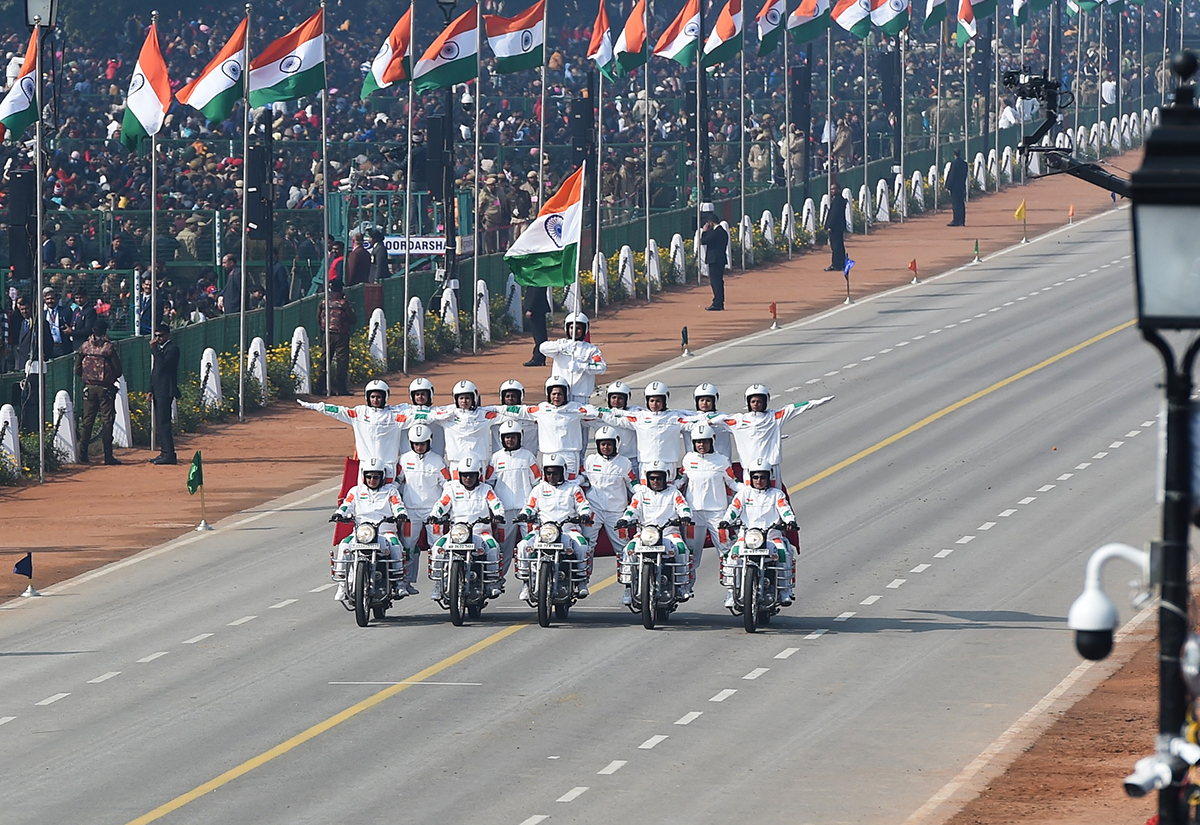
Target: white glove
{"points": [[821, 401], [309, 405]]}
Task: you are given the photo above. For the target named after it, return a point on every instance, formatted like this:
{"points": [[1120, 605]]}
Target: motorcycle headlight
{"points": [[755, 539], [650, 536], [460, 534], [365, 533], [549, 533]]}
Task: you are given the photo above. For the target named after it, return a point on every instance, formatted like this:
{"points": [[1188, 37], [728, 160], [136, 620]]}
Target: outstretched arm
{"points": [[793, 410], [343, 414]]}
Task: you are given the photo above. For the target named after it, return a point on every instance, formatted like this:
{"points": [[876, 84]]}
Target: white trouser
{"points": [[705, 525], [604, 520], [510, 532], [410, 534], [573, 540]]}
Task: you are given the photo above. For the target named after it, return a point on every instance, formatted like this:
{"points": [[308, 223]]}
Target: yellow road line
{"points": [[337, 719], [957, 405]]}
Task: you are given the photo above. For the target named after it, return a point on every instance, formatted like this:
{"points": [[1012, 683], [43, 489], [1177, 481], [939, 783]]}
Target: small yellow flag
{"points": [[1020, 213]]}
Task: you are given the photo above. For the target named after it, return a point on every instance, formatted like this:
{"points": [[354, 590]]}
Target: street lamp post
{"points": [[1165, 193]]}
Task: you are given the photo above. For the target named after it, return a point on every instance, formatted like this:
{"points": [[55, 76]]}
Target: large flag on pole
{"points": [[890, 16], [854, 16], [725, 40], [935, 13], [810, 20], [966, 23], [20, 108], [393, 62], [547, 252], [770, 25], [1074, 7], [518, 42], [291, 67], [1020, 12], [149, 95], [218, 88], [600, 49], [984, 9], [681, 39], [450, 58], [630, 50]]}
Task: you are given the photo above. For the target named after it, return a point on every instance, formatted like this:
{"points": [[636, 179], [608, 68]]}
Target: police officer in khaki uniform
{"points": [[98, 363]]}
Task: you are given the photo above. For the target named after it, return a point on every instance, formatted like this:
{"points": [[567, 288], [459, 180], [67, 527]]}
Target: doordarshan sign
{"points": [[395, 245]]}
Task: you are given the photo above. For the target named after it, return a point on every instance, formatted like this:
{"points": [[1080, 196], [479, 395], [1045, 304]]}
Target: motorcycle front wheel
{"points": [[545, 591], [649, 595], [750, 597], [457, 593], [361, 615]]}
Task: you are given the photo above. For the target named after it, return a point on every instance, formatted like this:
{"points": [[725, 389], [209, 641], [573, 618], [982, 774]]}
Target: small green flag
{"points": [[195, 479], [976, 255]]}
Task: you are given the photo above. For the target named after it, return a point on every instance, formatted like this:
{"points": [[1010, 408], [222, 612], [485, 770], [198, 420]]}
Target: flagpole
{"points": [[475, 204], [324, 197], [787, 126], [699, 165], [996, 97], [936, 184], [412, 15], [541, 114], [902, 40], [1166, 14], [596, 276], [41, 218], [866, 136], [245, 234], [1141, 65], [1078, 87], [966, 115], [646, 138], [1100, 65], [153, 250], [828, 100]]}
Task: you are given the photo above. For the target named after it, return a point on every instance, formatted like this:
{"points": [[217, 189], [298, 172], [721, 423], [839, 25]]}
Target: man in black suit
{"points": [[536, 308], [956, 185], [164, 388], [715, 240], [835, 228]]}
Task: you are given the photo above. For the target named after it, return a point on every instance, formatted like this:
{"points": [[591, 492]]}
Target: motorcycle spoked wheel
{"points": [[361, 614], [649, 593], [457, 593], [769, 585], [750, 598], [544, 591], [563, 609]]}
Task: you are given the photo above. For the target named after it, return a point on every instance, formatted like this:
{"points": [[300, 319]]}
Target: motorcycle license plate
{"points": [[762, 551]]}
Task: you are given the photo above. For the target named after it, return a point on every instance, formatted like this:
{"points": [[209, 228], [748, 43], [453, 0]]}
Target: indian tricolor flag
{"points": [[984, 9], [854, 16], [392, 63], [770, 25], [1074, 7], [1020, 12], [810, 20], [547, 252], [966, 23], [935, 13], [725, 40], [219, 87], [291, 67], [630, 50], [149, 95], [452, 56], [600, 48], [680, 40], [890, 16], [19, 107], [518, 42]]}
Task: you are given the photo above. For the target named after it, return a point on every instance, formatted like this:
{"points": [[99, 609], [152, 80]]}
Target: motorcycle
{"points": [[467, 576], [368, 572], [555, 575], [654, 574], [756, 576]]}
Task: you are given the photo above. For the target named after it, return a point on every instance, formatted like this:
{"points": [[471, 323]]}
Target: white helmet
{"points": [[618, 388], [375, 464], [465, 388], [608, 434], [377, 386], [469, 464], [511, 428], [759, 465], [418, 433], [512, 384], [657, 388], [420, 384], [575, 318], [757, 389], [557, 381], [554, 460], [702, 431], [656, 465], [706, 389]]}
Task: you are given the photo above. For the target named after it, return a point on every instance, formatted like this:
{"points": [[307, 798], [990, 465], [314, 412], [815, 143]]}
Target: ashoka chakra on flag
{"points": [[554, 229]]}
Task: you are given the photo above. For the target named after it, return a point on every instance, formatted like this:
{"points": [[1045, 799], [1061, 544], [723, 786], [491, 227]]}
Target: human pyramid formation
{"points": [[513, 463]]}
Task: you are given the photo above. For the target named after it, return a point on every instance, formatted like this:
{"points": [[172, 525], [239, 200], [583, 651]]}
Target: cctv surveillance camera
{"points": [[1151, 773], [1094, 618], [1094, 644]]}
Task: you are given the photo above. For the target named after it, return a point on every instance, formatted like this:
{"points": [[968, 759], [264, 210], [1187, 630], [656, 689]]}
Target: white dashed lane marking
{"points": [[322, 588], [1065, 476], [689, 717], [195, 639], [50, 700], [104, 677], [1116, 444], [754, 674], [920, 568], [941, 554], [572, 795], [723, 695], [1099, 456], [1133, 433], [844, 616], [895, 583], [870, 600], [1083, 466], [535, 819], [152, 657], [652, 741], [4, 720], [1028, 500], [787, 653], [242, 620], [283, 603], [987, 525], [1045, 488], [816, 634], [1007, 513], [965, 540], [612, 767]]}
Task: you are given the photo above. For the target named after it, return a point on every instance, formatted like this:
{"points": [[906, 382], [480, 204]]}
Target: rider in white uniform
{"points": [[761, 505], [576, 359], [376, 425], [609, 479], [757, 431], [657, 502], [376, 500], [708, 481], [559, 421], [707, 397], [421, 475], [659, 431], [465, 499], [556, 499], [512, 394], [468, 426], [513, 473], [420, 394]]}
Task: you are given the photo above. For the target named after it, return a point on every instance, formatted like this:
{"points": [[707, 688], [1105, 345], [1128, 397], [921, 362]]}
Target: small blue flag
{"points": [[849, 266], [1114, 196], [24, 567]]}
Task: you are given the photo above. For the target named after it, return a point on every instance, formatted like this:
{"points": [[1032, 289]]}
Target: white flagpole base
{"points": [[1024, 239], [203, 526], [30, 591], [687, 353], [774, 325], [847, 301], [915, 280]]}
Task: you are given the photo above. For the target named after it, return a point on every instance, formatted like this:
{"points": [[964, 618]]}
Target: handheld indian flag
{"points": [[547, 252], [725, 40], [518, 42], [966, 23], [291, 67], [810, 20], [681, 39], [149, 95], [219, 87], [1020, 12], [854, 16], [451, 57], [890, 16], [600, 49], [935, 13], [770, 25], [393, 62], [630, 50], [19, 107]]}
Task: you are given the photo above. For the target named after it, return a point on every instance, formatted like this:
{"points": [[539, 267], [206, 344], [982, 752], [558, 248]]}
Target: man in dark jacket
{"points": [[341, 323], [956, 185], [715, 240], [164, 388], [98, 363], [358, 262], [536, 308], [379, 258], [835, 228]]}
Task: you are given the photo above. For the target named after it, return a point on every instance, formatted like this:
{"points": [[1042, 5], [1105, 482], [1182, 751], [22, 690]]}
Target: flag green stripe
{"points": [[456, 71], [295, 87], [555, 268], [609, 69], [628, 61], [810, 31], [725, 51], [18, 122], [939, 14], [985, 8], [132, 131], [529, 60], [686, 55], [895, 25], [370, 86], [220, 107], [770, 41], [862, 28]]}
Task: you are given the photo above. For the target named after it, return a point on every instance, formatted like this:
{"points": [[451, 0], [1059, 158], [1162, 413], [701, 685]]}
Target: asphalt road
{"points": [[990, 429]]}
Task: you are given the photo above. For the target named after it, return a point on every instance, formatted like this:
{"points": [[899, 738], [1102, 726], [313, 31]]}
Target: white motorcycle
{"points": [[654, 573], [555, 575], [467, 575], [367, 570], [756, 575]]}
